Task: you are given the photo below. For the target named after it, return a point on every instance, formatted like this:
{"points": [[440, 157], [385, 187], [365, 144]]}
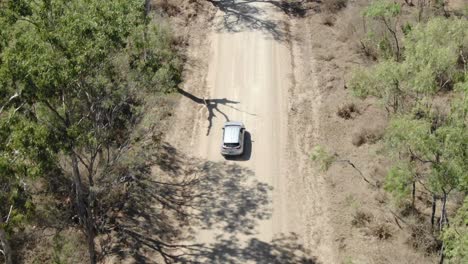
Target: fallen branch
{"points": [[358, 170]]}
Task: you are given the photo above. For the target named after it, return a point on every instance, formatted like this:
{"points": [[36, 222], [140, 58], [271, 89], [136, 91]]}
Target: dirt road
{"points": [[255, 208], [248, 78]]}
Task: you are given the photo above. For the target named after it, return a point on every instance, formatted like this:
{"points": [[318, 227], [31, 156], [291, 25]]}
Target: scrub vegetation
{"points": [[418, 72]]}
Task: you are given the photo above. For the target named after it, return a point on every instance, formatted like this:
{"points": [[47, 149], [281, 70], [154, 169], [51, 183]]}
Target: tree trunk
{"points": [[83, 213], [5, 244], [434, 205], [395, 37], [442, 255], [443, 213], [91, 247], [91, 172]]}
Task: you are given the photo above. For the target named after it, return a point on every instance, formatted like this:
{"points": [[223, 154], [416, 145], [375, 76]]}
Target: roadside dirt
{"points": [[326, 50]]}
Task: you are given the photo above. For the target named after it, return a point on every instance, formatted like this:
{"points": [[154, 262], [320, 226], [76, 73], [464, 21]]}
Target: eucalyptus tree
{"points": [[74, 72]]}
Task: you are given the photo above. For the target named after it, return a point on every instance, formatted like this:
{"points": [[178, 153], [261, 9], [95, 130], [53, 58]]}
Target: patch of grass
{"points": [[323, 158], [348, 260], [68, 248]]}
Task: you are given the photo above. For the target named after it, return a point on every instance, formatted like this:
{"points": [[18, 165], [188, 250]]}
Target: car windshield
{"points": [[231, 145]]}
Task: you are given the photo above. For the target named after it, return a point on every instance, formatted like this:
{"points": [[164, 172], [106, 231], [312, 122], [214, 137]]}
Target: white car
{"points": [[233, 139]]}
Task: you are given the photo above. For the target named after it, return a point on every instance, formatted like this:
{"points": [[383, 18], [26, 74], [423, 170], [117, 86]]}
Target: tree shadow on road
{"points": [[283, 249], [212, 105], [166, 204], [241, 15]]}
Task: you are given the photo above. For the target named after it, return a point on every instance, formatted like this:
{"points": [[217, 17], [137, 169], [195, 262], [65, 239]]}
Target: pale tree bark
{"points": [[434, 205], [443, 213], [5, 245], [443, 222]]}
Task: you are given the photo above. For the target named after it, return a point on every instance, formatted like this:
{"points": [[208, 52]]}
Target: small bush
{"points": [[334, 6], [381, 231], [328, 20], [367, 135], [421, 238], [348, 111], [323, 158], [361, 218], [167, 7], [326, 57]]}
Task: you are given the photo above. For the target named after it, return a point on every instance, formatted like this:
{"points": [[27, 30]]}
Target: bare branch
{"points": [[51, 108], [9, 213], [9, 100], [358, 170]]}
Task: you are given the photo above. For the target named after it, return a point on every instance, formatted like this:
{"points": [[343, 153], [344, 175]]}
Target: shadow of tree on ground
{"points": [[283, 249], [211, 106], [172, 195], [245, 15]]}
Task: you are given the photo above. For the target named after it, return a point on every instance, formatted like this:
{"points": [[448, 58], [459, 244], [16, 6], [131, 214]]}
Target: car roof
{"points": [[231, 133]]}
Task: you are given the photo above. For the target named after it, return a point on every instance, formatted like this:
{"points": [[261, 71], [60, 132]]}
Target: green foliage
{"points": [[160, 68], [444, 147], [73, 77], [406, 28], [430, 139], [455, 236], [26, 152], [382, 9], [431, 62], [384, 32], [81, 66], [380, 81], [323, 158], [399, 180], [432, 51]]}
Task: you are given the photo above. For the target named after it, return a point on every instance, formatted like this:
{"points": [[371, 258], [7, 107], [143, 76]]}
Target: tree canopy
{"points": [[73, 75]]}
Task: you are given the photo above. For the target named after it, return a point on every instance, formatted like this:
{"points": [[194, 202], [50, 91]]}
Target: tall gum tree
{"points": [[75, 69]]}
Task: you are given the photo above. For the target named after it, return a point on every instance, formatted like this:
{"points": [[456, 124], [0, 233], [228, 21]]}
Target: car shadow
{"points": [[247, 149]]}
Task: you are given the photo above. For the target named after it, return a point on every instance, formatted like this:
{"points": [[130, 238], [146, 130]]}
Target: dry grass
{"points": [[367, 135], [421, 238], [348, 111], [334, 6], [382, 231], [329, 20], [326, 57], [361, 218]]}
